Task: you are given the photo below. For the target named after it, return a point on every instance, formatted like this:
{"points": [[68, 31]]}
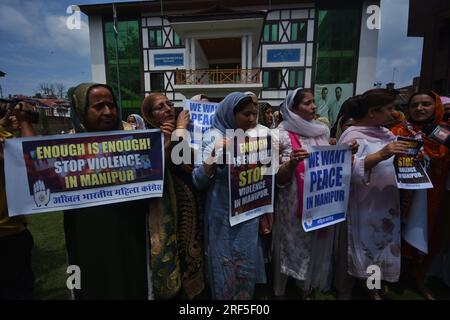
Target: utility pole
{"points": [[2, 74], [394, 70], [116, 35]]}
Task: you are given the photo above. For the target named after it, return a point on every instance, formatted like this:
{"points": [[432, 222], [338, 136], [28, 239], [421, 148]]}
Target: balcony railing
{"points": [[217, 76]]}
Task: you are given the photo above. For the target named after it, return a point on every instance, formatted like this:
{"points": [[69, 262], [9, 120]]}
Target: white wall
{"points": [[201, 62], [97, 51], [368, 47]]}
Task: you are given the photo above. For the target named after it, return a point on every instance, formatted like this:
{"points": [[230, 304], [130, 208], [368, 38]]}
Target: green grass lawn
{"points": [[49, 256], [49, 265]]}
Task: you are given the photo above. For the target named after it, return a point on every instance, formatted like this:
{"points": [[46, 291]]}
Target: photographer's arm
{"points": [[8, 124], [26, 128]]}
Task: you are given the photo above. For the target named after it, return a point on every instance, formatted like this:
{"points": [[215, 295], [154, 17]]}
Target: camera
{"points": [[12, 103], [439, 133]]}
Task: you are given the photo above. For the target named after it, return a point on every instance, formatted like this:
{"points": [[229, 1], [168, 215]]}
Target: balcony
{"points": [[217, 82], [217, 76]]}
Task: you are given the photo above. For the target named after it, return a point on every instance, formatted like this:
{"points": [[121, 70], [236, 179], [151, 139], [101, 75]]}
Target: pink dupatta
{"points": [[299, 172]]}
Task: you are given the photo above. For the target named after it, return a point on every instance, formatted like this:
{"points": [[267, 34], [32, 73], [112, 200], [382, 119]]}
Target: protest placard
{"points": [[326, 186], [409, 172], [202, 114], [250, 183], [61, 172]]}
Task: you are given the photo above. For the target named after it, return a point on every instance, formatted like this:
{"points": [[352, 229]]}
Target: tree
{"points": [[46, 89], [60, 90]]}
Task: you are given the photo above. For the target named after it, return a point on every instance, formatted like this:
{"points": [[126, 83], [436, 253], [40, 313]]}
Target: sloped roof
{"points": [[217, 12], [53, 103]]}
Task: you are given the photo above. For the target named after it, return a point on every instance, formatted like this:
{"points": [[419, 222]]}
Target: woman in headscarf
{"points": [[265, 115], [306, 257], [373, 216], [344, 123], [345, 119], [136, 121], [234, 261], [200, 97], [277, 119], [107, 242], [425, 108], [175, 220]]}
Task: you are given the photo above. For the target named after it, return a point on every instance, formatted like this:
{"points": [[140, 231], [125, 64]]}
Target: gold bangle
{"points": [[5, 134]]}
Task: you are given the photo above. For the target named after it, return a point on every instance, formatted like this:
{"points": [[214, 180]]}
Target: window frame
{"points": [[127, 65], [296, 78], [162, 89], [269, 71], [270, 24], [299, 22], [155, 30], [174, 37], [318, 54]]}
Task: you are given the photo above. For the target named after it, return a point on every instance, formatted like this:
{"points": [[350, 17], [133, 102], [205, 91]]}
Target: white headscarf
{"points": [[140, 123], [295, 123]]}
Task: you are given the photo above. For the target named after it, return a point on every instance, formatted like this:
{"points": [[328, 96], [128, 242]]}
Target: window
{"points": [[128, 62], [176, 40], [272, 79], [298, 32], [295, 78], [155, 38], [271, 32], [337, 44], [157, 81]]}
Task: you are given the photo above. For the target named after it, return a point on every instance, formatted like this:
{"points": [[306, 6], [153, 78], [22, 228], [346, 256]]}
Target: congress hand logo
{"points": [[41, 195]]}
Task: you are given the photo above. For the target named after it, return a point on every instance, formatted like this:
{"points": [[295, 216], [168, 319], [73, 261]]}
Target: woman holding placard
{"points": [[373, 216], [305, 256], [425, 109], [234, 259]]}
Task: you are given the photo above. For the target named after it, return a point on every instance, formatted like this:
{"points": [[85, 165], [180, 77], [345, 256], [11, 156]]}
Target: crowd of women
{"points": [[181, 246]]}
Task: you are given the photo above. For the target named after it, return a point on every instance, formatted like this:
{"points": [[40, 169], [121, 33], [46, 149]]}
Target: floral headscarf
{"points": [[79, 104]]}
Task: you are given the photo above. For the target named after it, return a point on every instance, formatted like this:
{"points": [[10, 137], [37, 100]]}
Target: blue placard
{"points": [[283, 55], [168, 59]]}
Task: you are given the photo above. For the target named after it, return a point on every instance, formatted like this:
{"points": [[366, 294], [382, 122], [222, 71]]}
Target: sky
{"points": [[37, 47]]}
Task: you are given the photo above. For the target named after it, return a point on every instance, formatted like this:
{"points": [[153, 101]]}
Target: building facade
{"points": [[184, 48], [431, 20]]}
